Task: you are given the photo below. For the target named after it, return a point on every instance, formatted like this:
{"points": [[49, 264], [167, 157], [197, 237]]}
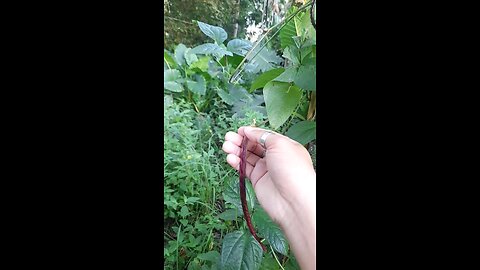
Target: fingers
{"points": [[234, 161], [233, 141], [255, 169], [254, 134]]}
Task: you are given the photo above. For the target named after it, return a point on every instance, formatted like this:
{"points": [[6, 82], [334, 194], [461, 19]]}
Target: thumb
{"points": [[254, 134]]}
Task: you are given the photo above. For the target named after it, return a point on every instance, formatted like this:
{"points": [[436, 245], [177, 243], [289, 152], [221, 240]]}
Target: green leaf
{"points": [[171, 75], [269, 263], [214, 32], [169, 80], [291, 53], [198, 86], [239, 46], [173, 86], [184, 211], [305, 28], [286, 34], [201, 64], [250, 103], [270, 231], [234, 60], [207, 48], [190, 57], [167, 58], [265, 60], [213, 49], [232, 195], [240, 251], [211, 256], [230, 214], [235, 93], [194, 265], [292, 263], [191, 200], [288, 75], [306, 77], [180, 54], [280, 99], [303, 132], [266, 77]]}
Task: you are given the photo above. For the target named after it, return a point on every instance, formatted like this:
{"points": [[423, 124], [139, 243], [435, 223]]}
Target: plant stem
{"points": [[276, 259]]}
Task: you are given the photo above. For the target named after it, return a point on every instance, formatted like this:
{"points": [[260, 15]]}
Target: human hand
{"points": [[283, 179]]}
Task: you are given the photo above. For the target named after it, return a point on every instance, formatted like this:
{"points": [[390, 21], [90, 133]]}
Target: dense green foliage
{"points": [[178, 16], [204, 227]]}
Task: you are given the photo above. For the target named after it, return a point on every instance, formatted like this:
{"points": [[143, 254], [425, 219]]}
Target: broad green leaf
{"points": [[286, 34], [288, 75], [201, 64], [198, 86], [190, 57], [180, 54], [214, 32], [306, 77], [270, 231], [207, 48], [225, 96], [250, 103], [173, 86], [170, 82], [230, 214], [280, 99], [234, 94], [266, 77], [171, 75], [211, 256], [240, 251], [303, 132], [239, 46], [213, 49]]}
